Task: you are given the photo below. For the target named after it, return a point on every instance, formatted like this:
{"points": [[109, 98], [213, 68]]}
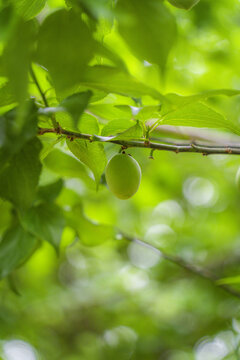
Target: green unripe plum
{"points": [[123, 176]]}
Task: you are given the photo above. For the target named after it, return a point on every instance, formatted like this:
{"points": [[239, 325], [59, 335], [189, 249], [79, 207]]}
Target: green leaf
{"points": [[111, 112], [104, 53], [184, 4], [6, 215], [64, 119], [19, 179], [229, 280], [149, 112], [11, 140], [134, 132], [116, 126], [15, 248], [112, 80], [76, 104], [94, 8], [66, 165], [104, 28], [12, 285], [88, 124], [29, 8], [48, 144], [7, 20], [91, 154], [65, 46], [17, 56], [177, 100], [50, 192], [6, 95], [90, 233], [198, 115], [148, 28], [45, 221]]}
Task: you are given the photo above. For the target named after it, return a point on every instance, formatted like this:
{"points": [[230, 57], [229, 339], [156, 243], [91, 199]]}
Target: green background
{"points": [[72, 284]]}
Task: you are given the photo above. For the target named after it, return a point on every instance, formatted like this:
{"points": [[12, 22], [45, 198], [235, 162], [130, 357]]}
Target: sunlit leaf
{"points": [[199, 115], [65, 46], [134, 132], [229, 280], [88, 124], [91, 154], [111, 112], [29, 8], [148, 28], [70, 167], [116, 126], [112, 80], [149, 112]]}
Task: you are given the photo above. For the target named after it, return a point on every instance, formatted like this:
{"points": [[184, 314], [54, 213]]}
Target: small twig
{"points": [[39, 87], [203, 273], [54, 122]]}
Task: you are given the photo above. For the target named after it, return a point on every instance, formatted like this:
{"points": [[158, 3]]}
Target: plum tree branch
{"points": [[192, 146], [196, 270]]}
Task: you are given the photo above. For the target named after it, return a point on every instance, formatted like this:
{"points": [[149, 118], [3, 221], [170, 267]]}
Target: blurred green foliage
{"points": [[72, 284]]}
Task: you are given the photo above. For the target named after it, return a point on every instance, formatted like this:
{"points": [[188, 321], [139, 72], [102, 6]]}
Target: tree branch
{"points": [[203, 273], [192, 147]]}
